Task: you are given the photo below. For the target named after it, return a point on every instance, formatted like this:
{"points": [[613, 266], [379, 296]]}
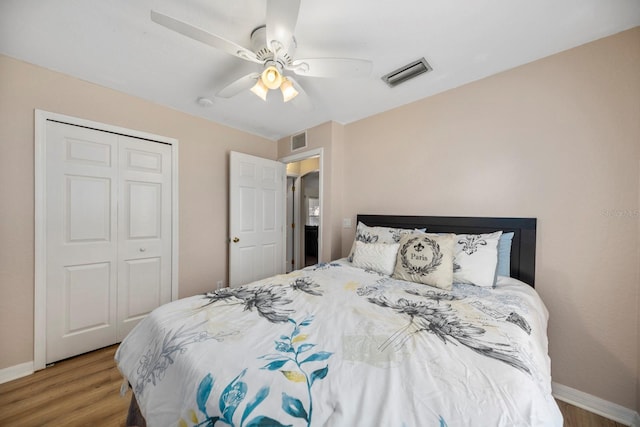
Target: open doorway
{"points": [[304, 210], [310, 192], [291, 222]]}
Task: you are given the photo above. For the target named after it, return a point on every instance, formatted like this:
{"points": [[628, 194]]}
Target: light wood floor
{"points": [[81, 391], [84, 391]]}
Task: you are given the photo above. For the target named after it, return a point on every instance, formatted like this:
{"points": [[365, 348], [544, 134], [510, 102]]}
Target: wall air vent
{"points": [[299, 141], [407, 72]]}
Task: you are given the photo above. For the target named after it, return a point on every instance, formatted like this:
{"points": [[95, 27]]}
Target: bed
{"points": [[359, 341]]}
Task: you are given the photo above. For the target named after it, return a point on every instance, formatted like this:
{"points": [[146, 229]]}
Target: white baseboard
{"points": [[17, 371], [596, 405]]}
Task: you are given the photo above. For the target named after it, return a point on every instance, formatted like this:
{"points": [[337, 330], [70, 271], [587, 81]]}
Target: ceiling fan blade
{"points": [[242, 84], [331, 67], [203, 36], [282, 16], [301, 101]]}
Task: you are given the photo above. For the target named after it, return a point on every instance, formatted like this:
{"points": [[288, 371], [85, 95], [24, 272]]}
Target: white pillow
{"points": [[426, 258], [380, 257], [476, 259], [368, 235]]}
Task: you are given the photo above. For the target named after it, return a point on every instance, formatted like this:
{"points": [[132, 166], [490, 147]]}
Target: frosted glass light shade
{"points": [[260, 89], [288, 91]]}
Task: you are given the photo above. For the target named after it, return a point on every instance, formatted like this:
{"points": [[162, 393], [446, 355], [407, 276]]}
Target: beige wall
{"points": [[329, 137], [203, 172], [557, 139], [303, 167]]}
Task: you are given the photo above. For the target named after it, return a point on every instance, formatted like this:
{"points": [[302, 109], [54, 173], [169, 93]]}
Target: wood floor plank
{"points": [[67, 387], [577, 417], [84, 391]]}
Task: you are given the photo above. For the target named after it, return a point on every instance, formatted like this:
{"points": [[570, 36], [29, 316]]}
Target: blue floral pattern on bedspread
{"points": [[333, 345], [293, 353]]}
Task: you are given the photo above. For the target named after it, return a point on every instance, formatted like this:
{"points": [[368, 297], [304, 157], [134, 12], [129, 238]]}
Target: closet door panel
{"points": [[143, 292], [87, 297], [144, 233], [81, 180]]}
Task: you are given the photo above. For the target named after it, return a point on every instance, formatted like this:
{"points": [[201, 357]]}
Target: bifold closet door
{"points": [[144, 230], [108, 236], [82, 249]]}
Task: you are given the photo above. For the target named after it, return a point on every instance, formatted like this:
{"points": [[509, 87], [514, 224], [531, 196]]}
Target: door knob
{"points": [[142, 249], [236, 240]]}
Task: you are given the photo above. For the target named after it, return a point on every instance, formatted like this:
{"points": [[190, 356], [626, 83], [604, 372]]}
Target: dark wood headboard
{"points": [[523, 245]]}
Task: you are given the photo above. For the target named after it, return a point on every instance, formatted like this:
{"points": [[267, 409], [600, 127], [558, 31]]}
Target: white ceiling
{"points": [[114, 43]]}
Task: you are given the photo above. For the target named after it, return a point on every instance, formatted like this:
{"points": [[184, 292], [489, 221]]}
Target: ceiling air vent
{"points": [[299, 141], [407, 72]]}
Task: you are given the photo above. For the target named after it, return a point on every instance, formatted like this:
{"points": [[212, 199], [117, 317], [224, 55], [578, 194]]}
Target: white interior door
{"points": [[81, 227], [144, 230], [108, 236], [256, 218]]}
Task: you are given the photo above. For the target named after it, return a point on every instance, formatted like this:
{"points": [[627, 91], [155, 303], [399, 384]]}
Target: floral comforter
{"points": [[334, 345]]}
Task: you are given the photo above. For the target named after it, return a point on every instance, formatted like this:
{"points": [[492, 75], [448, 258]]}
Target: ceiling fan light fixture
{"points": [[288, 91], [260, 89], [271, 77]]}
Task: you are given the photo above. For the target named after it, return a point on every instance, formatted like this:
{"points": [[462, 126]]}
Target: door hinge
{"points": [[293, 225]]}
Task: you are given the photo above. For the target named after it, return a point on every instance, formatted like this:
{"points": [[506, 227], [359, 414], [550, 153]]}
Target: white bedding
{"points": [[334, 345]]}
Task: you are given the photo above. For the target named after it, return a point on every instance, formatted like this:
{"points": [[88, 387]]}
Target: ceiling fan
{"points": [[272, 47]]}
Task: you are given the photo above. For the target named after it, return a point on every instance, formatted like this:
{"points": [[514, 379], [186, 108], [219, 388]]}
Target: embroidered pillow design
{"points": [[476, 259], [426, 258]]}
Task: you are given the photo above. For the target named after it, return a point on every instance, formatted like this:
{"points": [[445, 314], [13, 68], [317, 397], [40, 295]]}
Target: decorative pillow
{"points": [[476, 259], [367, 234], [504, 254], [426, 258], [380, 257]]}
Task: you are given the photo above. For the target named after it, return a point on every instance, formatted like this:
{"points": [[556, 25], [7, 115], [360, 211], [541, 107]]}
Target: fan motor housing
{"points": [[259, 47]]}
